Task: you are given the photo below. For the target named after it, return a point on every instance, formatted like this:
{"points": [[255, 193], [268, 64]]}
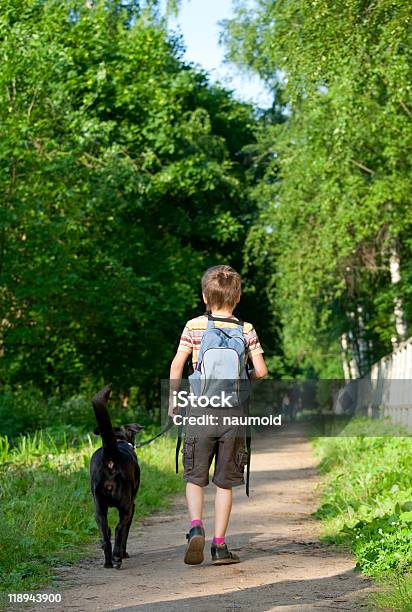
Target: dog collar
{"points": [[124, 442]]}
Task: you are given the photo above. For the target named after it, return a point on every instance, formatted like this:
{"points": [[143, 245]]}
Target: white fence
{"points": [[387, 390]]}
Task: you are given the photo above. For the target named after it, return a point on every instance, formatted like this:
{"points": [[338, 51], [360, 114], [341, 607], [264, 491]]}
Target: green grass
{"points": [[396, 594], [367, 503], [46, 508]]}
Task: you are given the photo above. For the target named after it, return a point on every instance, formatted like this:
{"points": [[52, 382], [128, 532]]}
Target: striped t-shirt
{"points": [[194, 329]]}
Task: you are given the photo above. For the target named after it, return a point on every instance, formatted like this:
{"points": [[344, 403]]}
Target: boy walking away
{"points": [[221, 287]]}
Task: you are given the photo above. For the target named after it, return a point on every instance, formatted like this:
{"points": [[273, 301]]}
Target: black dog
{"points": [[115, 478]]}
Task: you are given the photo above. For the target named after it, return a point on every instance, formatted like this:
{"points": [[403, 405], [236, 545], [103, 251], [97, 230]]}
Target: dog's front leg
{"points": [[101, 520], [125, 517]]}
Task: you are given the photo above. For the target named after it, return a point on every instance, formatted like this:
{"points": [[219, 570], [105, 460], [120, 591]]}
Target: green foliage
{"points": [[384, 544], [334, 192], [22, 411], [46, 509], [367, 500], [26, 410], [122, 179]]}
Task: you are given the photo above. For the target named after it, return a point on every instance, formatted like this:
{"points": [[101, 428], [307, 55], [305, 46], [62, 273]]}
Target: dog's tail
{"points": [[105, 429]]}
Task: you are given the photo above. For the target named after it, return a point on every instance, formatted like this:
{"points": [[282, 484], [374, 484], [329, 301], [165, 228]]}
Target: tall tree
{"points": [[122, 178], [336, 196]]}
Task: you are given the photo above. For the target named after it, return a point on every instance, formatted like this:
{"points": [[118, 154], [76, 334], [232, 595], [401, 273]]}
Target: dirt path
{"points": [[284, 566]]}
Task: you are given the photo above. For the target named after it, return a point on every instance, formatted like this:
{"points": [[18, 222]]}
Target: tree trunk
{"points": [[344, 352], [400, 321], [356, 341], [362, 343]]}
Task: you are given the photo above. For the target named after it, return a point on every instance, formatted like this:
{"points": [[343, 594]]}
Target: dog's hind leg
{"points": [[125, 517], [125, 555], [101, 520]]}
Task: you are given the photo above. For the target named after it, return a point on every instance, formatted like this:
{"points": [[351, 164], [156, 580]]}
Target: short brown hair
{"points": [[221, 286]]}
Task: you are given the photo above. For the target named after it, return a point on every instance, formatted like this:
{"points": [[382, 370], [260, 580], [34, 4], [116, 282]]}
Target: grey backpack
{"points": [[221, 365]]}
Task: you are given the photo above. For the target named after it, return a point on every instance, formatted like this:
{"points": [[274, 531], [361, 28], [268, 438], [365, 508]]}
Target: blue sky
{"points": [[198, 23]]}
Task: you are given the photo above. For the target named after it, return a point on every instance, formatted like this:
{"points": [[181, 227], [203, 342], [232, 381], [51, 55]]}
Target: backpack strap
{"points": [[178, 445], [248, 449], [210, 317]]}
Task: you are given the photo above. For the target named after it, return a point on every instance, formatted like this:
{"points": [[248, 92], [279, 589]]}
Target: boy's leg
{"points": [[194, 498], [221, 555], [229, 469], [196, 535], [223, 507], [197, 456]]}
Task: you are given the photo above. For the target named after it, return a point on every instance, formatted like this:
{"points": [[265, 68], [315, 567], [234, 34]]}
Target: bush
{"points": [[383, 545], [22, 410], [26, 410]]}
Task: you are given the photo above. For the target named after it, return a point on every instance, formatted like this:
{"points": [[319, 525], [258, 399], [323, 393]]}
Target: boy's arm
{"points": [[176, 371], [255, 354], [259, 367]]}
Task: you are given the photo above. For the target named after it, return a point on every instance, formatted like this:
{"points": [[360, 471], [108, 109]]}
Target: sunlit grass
{"points": [[367, 503], [395, 595]]}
